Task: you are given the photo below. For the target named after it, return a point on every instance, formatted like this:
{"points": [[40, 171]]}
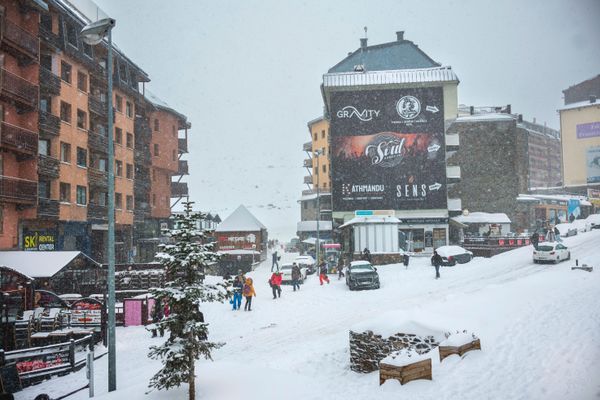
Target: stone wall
{"points": [[368, 349]]}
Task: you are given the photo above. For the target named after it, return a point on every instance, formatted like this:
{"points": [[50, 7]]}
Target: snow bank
{"points": [[404, 357], [391, 323], [458, 339]]}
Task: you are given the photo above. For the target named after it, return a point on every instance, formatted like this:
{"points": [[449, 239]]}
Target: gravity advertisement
{"points": [[388, 149]]}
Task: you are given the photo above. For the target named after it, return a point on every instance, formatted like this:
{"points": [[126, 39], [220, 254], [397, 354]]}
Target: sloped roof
{"points": [[241, 220], [483, 218], [38, 264], [161, 104], [400, 54]]}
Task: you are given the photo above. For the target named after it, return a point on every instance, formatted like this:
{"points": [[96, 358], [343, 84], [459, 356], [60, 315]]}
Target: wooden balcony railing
{"points": [[49, 37], [183, 146], [97, 212], [16, 190], [19, 40], [18, 139], [98, 142], [49, 83], [48, 208], [48, 166], [20, 90], [49, 124], [179, 189], [97, 106], [183, 167], [97, 178]]}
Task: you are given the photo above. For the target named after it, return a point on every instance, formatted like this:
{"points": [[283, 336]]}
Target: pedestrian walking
{"points": [[405, 260], [535, 239], [248, 293], [275, 283], [366, 255], [275, 257], [323, 272], [436, 260], [238, 286], [296, 276], [157, 315]]}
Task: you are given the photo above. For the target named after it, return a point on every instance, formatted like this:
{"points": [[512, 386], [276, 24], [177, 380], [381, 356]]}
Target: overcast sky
{"points": [[247, 74]]}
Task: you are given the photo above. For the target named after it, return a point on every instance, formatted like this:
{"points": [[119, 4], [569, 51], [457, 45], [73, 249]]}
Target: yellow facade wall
{"points": [[574, 150]]}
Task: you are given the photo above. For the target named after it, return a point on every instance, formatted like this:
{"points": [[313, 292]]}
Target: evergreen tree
{"points": [[184, 260]]}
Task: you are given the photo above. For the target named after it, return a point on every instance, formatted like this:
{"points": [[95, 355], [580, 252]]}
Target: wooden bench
{"points": [[398, 366]]}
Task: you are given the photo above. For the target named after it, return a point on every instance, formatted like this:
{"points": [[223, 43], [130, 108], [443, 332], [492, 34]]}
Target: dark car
{"points": [[362, 275], [452, 255]]}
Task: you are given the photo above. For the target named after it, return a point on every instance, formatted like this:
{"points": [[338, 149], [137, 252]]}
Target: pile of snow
{"points": [[458, 339], [389, 324]]}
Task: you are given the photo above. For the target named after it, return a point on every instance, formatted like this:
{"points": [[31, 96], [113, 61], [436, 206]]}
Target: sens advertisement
{"points": [[388, 149]]}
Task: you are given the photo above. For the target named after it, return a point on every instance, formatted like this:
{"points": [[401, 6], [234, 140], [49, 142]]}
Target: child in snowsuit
{"points": [[238, 286], [296, 276], [248, 292], [275, 283]]}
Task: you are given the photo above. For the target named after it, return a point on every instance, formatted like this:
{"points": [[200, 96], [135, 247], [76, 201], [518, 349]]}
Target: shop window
{"points": [[439, 237], [82, 81], [129, 140], [65, 71], [65, 192], [412, 240], [65, 112], [81, 195], [81, 157]]}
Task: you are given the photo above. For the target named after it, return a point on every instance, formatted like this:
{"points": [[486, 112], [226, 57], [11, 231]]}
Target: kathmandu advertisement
{"points": [[388, 149]]}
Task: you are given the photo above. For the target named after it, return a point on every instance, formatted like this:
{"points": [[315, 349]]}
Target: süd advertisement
{"points": [[388, 149]]}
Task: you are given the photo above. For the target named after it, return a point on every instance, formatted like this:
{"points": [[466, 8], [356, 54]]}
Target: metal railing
{"points": [[48, 208], [18, 190], [98, 142], [49, 123], [97, 106], [20, 39], [183, 145], [183, 167], [179, 189], [19, 89], [18, 139], [48, 166], [97, 178], [49, 82]]}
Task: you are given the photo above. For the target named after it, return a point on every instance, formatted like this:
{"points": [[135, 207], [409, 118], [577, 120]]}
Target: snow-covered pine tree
{"points": [[184, 260]]}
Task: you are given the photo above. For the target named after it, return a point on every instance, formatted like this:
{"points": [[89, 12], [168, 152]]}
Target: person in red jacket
{"points": [[275, 283]]}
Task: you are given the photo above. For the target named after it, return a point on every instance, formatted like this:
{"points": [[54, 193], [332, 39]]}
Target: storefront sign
{"points": [[585, 131], [39, 240], [593, 164], [388, 150], [423, 221]]}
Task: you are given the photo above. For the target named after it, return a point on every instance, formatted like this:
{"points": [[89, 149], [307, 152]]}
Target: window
{"points": [[65, 112], [65, 152], [101, 197], [174, 155], [102, 164], [174, 131], [324, 168], [129, 109], [153, 176], [81, 119], [118, 200], [168, 179], [87, 50], [46, 61], [156, 124], [119, 103], [130, 140], [154, 200], [72, 34], [156, 151], [65, 192], [1, 219], [81, 157], [129, 171], [82, 81], [322, 134], [118, 136], [118, 168], [46, 21], [65, 71], [44, 147], [44, 189], [315, 135], [129, 203], [81, 195], [46, 104]]}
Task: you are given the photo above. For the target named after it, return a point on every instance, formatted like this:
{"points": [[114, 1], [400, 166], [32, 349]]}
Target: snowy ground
{"points": [[539, 327]]}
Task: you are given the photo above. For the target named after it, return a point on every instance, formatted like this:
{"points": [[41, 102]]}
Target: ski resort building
{"points": [[242, 234]]}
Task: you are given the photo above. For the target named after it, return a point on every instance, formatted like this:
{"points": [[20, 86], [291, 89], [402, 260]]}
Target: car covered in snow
{"points": [[551, 252], [567, 229], [594, 221], [286, 272], [451, 255], [306, 261], [362, 275]]}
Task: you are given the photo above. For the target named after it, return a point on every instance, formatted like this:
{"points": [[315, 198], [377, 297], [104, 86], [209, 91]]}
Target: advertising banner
{"points": [[388, 149], [39, 240], [593, 164], [589, 130]]}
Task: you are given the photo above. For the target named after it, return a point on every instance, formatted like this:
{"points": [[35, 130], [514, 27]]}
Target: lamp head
{"points": [[93, 33]]}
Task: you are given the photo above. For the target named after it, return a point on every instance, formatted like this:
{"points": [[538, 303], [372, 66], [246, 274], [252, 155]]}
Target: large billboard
{"points": [[388, 149]]}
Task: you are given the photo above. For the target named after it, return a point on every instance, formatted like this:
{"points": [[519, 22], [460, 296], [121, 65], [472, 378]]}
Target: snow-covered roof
{"points": [[158, 102], [580, 104], [241, 220], [311, 226], [486, 117], [483, 218], [561, 197], [238, 252], [374, 219], [38, 263], [418, 75]]}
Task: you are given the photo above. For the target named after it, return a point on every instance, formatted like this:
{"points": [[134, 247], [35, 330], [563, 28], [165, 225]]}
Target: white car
{"points": [[594, 221], [551, 252], [286, 272], [307, 261], [567, 229]]}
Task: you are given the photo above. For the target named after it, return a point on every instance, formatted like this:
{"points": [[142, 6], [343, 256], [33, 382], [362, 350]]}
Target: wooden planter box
{"points": [[406, 373], [446, 351]]}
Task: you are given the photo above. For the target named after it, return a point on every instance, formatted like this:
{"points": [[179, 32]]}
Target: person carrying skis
{"points": [[436, 260], [248, 293], [275, 283], [323, 272], [296, 276]]}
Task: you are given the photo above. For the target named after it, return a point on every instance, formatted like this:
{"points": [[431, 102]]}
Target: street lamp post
{"points": [[93, 34]]}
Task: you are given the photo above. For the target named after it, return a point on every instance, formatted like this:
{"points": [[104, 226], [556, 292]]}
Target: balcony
{"points": [[183, 168], [18, 139], [97, 178], [48, 209], [49, 83], [179, 189], [48, 37], [16, 190], [453, 173], [307, 146], [183, 146], [308, 162], [14, 88], [98, 142], [97, 212], [18, 41], [97, 106], [48, 166], [49, 124], [308, 180]]}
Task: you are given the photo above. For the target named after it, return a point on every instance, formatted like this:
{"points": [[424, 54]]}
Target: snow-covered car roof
{"points": [[593, 218], [305, 258], [360, 262], [564, 227], [447, 251], [553, 244]]}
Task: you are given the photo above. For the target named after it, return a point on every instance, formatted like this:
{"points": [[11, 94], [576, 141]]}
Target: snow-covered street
{"points": [[538, 324]]}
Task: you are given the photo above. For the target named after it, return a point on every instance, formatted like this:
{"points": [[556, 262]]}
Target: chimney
{"points": [[471, 110], [592, 98], [400, 36], [520, 118], [508, 109], [363, 43]]}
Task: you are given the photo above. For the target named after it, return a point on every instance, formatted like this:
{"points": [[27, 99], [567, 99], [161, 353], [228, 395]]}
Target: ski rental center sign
{"points": [[388, 149]]}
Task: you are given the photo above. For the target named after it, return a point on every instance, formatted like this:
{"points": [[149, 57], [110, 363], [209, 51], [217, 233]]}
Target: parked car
{"points": [[362, 275], [567, 229], [551, 252], [454, 254], [594, 221], [286, 273], [306, 261]]}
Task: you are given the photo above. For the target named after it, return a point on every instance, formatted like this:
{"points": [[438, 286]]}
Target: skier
{"points": [[405, 260], [238, 285], [323, 272], [275, 283], [275, 261], [535, 239], [248, 292], [296, 276], [436, 260]]}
